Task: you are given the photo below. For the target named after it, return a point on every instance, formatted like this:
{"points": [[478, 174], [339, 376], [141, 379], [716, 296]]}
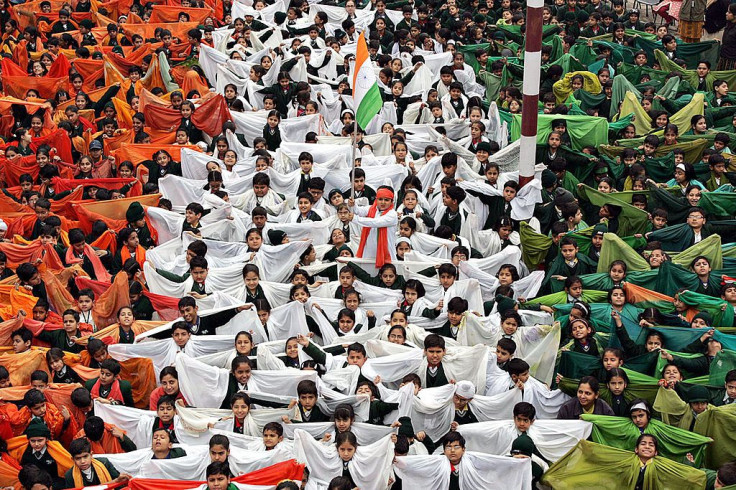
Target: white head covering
{"points": [[3, 225], [465, 389]]}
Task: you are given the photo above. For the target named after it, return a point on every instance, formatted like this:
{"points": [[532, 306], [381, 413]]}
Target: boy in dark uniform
{"points": [[89, 471], [434, 349], [37, 452], [137, 220]]}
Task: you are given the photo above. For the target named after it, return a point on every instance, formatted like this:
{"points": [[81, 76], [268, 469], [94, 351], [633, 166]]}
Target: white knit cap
{"points": [[465, 389]]}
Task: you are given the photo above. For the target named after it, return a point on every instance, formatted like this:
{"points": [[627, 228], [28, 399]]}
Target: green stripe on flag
{"points": [[369, 106]]}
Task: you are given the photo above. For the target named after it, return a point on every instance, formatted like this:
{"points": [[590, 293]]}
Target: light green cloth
{"points": [[674, 443], [591, 466]]}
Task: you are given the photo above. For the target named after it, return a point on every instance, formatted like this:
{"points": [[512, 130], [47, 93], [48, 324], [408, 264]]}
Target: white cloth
{"points": [[553, 438], [476, 471], [370, 467]]}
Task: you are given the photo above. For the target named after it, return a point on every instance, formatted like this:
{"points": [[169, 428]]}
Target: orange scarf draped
{"points": [[115, 392], [109, 444], [17, 446], [140, 255], [383, 254], [100, 271], [53, 419], [102, 474]]}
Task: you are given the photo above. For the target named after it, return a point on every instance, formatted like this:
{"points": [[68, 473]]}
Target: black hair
{"points": [[525, 409]]}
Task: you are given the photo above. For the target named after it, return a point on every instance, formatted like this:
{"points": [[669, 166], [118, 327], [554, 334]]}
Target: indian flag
{"points": [[366, 94]]}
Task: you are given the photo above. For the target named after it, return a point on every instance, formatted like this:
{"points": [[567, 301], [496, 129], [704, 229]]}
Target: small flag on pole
{"points": [[366, 94]]}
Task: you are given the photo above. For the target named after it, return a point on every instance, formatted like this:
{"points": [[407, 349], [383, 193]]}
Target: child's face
{"points": [[38, 410], [610, 360], [56, 365], [388, 277], [305, 205], [659, 222], [307, 401], [166, 412], [346, 451], [569, 252], [405, 230], [447, 280], [39, 385], [502, 355], [345, 324], [454, 318], [356, 358], [509, 326], [434, 355], [240, 409], [522, 423], [523, 377], [242, 373], [648, 149], [617, 273], [106, 376], [731, 389], [398, 319], [70, 324], [19, 345], [37, 443], [85, 303], [617, 385], [653, 343], [218, 453], [292, 349], [579, 330], [343, 425], [186, 111], [181, 337], [300, 295], [192, 217], [271, 439]]}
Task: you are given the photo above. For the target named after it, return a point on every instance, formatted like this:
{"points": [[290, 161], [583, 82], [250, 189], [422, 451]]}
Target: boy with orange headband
{"points": [[379, 222]]}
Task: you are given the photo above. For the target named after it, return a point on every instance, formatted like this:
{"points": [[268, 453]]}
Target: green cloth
{"points": [[561, 298], [674, 443], [591, 465], [632, 220], [718, 423], [535, 246], [714, 306], [614, 248], [583, 130], [709, 247]]}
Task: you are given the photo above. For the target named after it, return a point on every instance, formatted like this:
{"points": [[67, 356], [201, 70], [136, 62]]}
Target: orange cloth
{"points": [[17, 446], [9, 469], [20, 299], [140, 255], [53, 419], [20, 366], [99, 269], [111, 334], [109, 444]]}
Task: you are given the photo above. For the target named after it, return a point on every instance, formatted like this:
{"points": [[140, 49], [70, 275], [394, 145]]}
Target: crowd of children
{"points": [[209, 272]]}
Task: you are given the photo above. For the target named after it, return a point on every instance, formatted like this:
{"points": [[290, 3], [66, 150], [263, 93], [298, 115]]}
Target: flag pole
{"points": [[529, 109], [355, 150]]}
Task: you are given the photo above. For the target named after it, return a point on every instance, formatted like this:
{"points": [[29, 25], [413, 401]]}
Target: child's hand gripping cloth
{"points": [[476, 470], [370, 467]]}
